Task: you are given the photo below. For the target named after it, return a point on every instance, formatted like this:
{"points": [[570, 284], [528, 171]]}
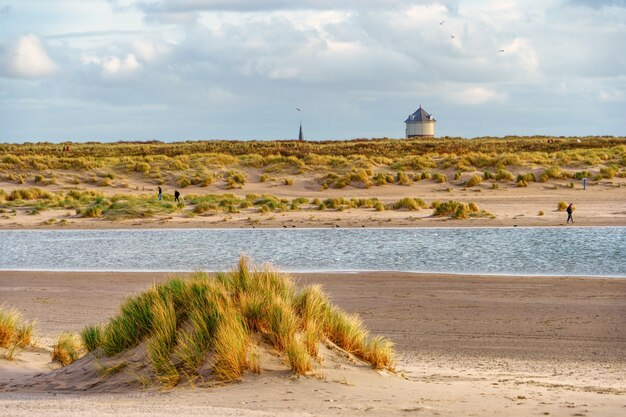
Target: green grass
{"points": [[183, 323], [91, 337]]}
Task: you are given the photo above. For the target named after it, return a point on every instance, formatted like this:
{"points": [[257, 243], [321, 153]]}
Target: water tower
{"points": [[420, 124]]}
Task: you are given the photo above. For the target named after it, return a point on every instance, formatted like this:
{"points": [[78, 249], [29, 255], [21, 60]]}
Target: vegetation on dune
{"points": [[357, 163], [92, 204], [458, 210], [185, 324], [67, 349], [409, 203], [15, 333], [495, 163]]}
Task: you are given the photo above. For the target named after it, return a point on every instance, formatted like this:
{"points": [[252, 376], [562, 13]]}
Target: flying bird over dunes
{"points": [[501, 50]]}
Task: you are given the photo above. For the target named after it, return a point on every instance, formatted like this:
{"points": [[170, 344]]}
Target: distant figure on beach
{"points": [[176, 195], [160, 194], [570, 210]]}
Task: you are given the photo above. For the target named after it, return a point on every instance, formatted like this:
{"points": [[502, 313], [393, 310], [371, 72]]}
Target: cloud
{"points": [[181, 6], [148, 50], [191, 68], [27, 58], [475, 95], [116, 66], [598, 3]]}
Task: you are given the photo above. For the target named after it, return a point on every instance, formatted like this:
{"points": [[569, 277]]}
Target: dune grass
{"points": [[458, 210], [474, 180], [67, 349], [15, 333], [409, 203], [186, 322]]}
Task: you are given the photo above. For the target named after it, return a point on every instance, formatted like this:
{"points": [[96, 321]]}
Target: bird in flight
{"points": [[501, 50], [442, 22], [452, 36], [298, 109]]}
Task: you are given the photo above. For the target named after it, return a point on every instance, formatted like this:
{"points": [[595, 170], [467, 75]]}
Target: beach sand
{"points": [[466, 345]]}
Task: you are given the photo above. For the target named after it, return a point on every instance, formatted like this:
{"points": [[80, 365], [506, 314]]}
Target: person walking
{"points": [[570, 210], [160, 194], [176, 196]]}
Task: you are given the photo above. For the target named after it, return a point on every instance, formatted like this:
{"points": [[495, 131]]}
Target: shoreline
{"points": [[126, 227], [418, 274], [289, 223]]}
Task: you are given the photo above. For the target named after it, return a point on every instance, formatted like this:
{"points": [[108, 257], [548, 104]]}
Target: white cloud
{"points": [[525, 54], [475, 95], [28, 59], [612, 96], [149, 51], [115, 65]]}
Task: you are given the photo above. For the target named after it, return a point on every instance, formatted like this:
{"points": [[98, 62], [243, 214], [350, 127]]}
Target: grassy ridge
{"points": [[186, 323], [200, 163], [388, 148]]}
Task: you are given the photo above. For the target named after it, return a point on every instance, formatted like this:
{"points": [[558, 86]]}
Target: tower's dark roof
{"points": [[420, 116]]}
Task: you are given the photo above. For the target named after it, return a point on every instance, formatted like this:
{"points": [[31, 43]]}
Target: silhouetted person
{"points": [[160, 194], [570, 210], [176, 195]]}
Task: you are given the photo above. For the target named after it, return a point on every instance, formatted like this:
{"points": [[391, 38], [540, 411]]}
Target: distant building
{"points": [[301, 134], [420, 124]]}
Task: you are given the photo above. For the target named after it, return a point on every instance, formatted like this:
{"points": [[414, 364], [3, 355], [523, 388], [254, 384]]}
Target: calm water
{"points": [[522, 251]]}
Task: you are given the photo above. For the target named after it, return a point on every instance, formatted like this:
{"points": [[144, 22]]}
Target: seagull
{"points": [[501, 50]]}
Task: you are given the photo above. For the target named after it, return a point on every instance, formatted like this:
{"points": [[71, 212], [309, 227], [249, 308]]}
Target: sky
{"points": [[109, 70]]}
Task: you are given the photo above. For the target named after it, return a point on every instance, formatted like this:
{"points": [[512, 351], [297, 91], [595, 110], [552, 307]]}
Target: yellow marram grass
{"points": [[188, 323]]}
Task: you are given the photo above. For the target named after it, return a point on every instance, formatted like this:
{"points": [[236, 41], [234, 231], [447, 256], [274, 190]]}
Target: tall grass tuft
{"points": [[298, 356], [14, 332], [379, 352], [67, 349], [91, 337], [231, 342], [474, 180], [9, 322], [162, 340], [347, 331]]}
